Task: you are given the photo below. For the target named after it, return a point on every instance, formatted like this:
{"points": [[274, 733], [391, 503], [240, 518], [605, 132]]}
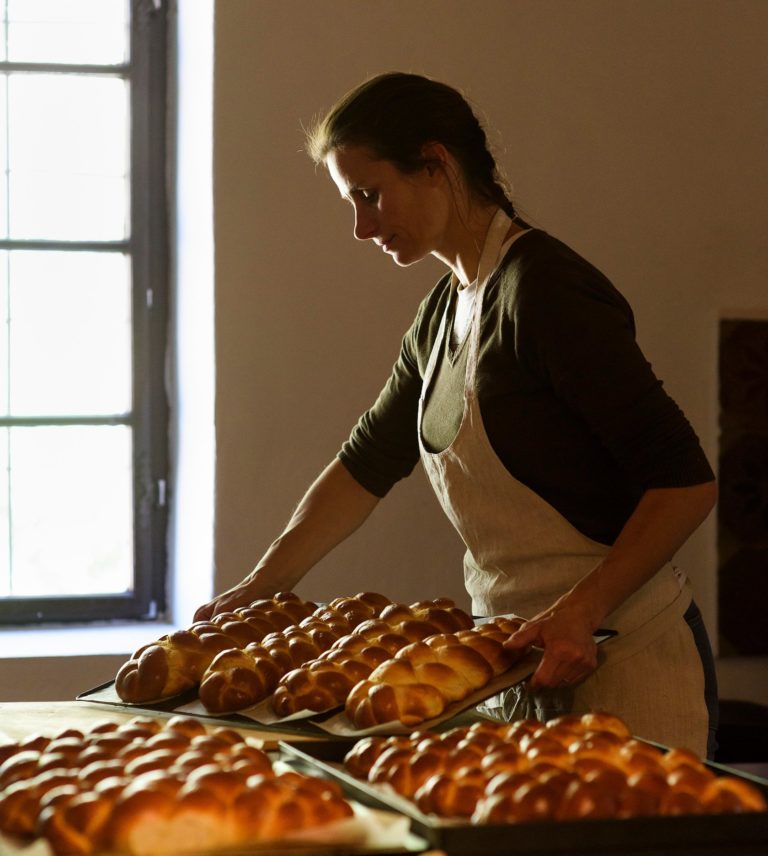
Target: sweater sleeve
{"points": [[383, 446], [577, 331]]}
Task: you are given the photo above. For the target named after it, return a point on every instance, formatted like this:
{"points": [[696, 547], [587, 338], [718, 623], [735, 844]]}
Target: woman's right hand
{"points": [[243, 594]]}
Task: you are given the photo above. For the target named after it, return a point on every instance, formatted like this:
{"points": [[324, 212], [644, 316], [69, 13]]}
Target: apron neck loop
{"points": [[494, 240]]}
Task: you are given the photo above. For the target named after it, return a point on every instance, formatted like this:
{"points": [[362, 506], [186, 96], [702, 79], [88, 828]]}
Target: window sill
{"points": [[34, 642]]}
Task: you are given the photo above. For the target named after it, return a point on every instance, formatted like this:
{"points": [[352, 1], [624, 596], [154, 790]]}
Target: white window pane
{"points": [[70, 340], [5, 541], [75, 31], [3, 158], [71, 500], [68, 208], [4, 337], [68, 156], [68, 122]]}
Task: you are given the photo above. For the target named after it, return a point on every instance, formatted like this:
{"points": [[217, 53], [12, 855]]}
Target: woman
{"points": [[569, 473]]}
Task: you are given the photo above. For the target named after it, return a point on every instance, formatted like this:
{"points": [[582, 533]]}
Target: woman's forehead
{"points": [[353, 167]]}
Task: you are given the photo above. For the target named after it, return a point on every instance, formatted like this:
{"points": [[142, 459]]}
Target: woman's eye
{"points": [[369, 196]]}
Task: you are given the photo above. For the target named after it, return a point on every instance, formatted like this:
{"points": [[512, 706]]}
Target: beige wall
{"points": [[634, 131]]}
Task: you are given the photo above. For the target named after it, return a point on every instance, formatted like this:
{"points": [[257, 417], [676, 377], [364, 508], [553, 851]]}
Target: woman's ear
{"points": [[436, 158]]}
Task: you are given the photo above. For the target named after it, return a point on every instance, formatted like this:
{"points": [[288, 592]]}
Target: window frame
{"points": [[147, 245]]}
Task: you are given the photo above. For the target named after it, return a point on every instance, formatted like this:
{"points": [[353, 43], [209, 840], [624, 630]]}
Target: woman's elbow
{"points": [[707, 494]]}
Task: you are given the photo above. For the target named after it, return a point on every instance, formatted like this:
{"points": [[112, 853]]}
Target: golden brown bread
{"points": [[325, 683], [145, 797], [77, 824], [20, 802], [354, 609], [425, 677], [237, 681], [442, 613], [19, 766], [370, 703], [497, 772], [407, 771], [451, 795], [176, 662], [223, 810]]}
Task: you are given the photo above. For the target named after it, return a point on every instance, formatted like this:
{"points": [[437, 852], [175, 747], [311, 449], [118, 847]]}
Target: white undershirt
{"points": [[465, 299]]}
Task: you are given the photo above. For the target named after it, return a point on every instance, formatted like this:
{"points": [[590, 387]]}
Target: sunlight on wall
{"points": [[192, 396]]}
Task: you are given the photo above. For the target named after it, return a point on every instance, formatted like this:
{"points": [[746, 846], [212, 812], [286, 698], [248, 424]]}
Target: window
{"points": [[83, 306]]}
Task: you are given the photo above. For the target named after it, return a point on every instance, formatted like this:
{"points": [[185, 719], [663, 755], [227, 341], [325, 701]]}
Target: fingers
{"points": [[526, 636], [540, 680], [204, 612], [564, 664], [240, 595], [218, 604], [222, 603]]}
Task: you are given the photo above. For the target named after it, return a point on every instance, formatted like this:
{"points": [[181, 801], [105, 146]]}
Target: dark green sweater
{"points": [[570, 404]]}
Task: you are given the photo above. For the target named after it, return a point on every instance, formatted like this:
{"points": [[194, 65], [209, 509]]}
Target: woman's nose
{"points": [[365, 224]]}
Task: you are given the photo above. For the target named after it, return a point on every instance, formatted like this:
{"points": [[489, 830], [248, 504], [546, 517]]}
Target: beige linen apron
{"points": [[522, 555]]}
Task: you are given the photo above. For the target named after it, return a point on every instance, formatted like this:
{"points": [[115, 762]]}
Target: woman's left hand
{"points": [[570, 652]]}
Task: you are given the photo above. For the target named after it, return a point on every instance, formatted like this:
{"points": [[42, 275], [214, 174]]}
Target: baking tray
{"points": [[693, 835], [313, 729], [107, 695], [333, 722]]}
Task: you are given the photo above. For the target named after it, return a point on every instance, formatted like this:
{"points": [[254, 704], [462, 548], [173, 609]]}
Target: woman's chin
{"points": [[404, 259]]}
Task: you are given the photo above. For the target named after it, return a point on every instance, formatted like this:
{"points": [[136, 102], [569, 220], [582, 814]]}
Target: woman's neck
{"points": [[464, 242]]}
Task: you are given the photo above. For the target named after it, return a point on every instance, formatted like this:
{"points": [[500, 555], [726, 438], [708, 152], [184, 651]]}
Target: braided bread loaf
{"points": [[354, 609], [176, 662], [425, 677], [572, 767], [325, 683], [238, 679], [146, 790]]}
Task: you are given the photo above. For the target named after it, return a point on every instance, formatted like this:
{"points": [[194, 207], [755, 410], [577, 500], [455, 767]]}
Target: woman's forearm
{"points": [[331, 510], [659, 526], [662, 522]]}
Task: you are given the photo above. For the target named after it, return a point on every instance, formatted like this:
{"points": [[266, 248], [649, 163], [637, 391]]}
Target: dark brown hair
{"points": [[395, 115]]}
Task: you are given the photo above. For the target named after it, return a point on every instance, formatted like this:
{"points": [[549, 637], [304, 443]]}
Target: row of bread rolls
{"points": [[181, 660], [240, 678], [177, 661], [325, 683], [570, 768], [145, 789], [424, 678], [385, 661]]}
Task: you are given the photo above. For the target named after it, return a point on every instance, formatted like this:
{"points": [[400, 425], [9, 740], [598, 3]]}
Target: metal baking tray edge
{"points": [[170, 707]]}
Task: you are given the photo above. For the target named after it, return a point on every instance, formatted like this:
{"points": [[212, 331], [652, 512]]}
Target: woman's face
{"points": [[405, 214]]}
